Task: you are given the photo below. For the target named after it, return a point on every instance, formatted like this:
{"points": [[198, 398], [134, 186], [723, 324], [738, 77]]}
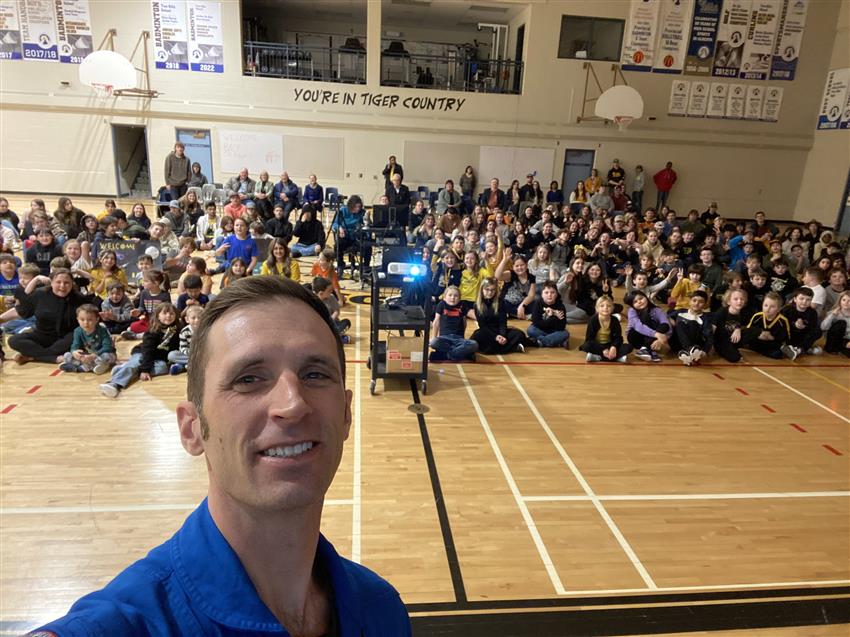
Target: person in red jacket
{"points": [[664, 180]]}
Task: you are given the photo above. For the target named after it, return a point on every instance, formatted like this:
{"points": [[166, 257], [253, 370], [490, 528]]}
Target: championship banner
{"points": [[170, 41], [717, 100], [74, 27], [700, 55], [753, 104], [10, 31], [206, 43], [772, 104], [845, 116], [735, 102], [639, 41], [679, 92], [834, 99], [787, 50], [672, 43], [698, 102], [38, 30], [761, 36], [731, 35]]}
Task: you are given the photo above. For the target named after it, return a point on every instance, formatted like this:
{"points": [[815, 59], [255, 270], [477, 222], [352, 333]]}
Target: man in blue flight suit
{"points": [[267, 406]]}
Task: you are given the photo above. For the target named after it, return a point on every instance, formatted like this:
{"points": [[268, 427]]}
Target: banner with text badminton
{"points": [[73, 20], [206, 43], [792, 22], [10, 31], [38, 30], [170, 41]]}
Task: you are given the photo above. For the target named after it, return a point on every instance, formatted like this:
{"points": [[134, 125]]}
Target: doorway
{"points": [[132, 170], [520, 41], [198, 149], [577, 165]]}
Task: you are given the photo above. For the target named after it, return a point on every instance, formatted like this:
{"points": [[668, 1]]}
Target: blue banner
{"points": [[786, 52], [700, 57]]}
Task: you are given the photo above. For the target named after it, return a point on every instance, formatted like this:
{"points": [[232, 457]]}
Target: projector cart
{"points": [[408, 318]]}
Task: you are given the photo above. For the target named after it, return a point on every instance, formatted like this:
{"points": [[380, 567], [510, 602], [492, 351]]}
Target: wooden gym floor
{"points": [[536, 495]]}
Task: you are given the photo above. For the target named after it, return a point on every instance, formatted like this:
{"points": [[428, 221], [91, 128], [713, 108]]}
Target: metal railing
{"points": [[451, 73], [296, 62]]}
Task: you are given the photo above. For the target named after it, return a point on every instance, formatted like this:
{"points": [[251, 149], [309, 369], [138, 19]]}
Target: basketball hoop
{"points": [[621, 104], [107, 71], [102, 91], [623, 121]]}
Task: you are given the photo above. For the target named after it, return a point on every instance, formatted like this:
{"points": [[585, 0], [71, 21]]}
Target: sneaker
{"points": [[815, 351], [644, 354], [685, 358], [520, 348], [68, 367], [696, 355], [109, 390], [623, 359], [175, 369], [789, 351], [593, 358], [654, 357], [128, 335], [100, 368], [533, 341]]}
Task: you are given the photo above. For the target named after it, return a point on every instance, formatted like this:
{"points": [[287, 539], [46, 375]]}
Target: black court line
{"points": [[631, 621], [442, 513]]}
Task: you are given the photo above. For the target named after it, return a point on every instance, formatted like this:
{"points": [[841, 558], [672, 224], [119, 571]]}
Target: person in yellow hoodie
{"points": [[685, 287]]}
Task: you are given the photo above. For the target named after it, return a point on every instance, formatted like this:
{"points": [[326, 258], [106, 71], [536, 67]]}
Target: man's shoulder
{"points": [[380, 607]]}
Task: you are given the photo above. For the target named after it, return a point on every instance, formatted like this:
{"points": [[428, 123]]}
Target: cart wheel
{"points": [[372, 387], [369, 362], [424, 387]]}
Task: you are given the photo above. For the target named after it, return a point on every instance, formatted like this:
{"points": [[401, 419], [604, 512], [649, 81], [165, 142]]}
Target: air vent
{"points": [[484, 8]]}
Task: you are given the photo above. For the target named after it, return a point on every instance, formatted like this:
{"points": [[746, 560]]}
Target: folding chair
{"points": [[207, 193]]}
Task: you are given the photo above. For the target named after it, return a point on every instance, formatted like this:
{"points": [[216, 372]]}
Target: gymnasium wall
{"points": [[828, 162], [57, 139]]}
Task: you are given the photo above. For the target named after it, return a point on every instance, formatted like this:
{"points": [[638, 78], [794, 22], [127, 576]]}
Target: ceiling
{"points": [[448, 14]]}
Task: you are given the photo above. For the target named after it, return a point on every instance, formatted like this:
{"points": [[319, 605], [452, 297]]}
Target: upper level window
{"points": [[588, 38]]}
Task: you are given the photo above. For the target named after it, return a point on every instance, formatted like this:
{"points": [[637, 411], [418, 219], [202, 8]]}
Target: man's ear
{"points": [[189, 422]]}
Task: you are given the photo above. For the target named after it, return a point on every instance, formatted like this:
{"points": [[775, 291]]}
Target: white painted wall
{"points": [[56, 139]]}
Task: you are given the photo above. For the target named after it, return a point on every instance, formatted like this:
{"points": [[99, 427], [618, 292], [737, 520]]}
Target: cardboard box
{"points": [[404, 354]]}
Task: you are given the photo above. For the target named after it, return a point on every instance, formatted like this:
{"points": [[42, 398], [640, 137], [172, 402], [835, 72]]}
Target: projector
{"points": [[406, 269]]}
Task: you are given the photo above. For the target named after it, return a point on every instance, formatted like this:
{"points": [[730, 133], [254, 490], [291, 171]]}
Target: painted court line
{"points": [[801, 394], [624, 544], [33, 389], [714, 587], [688, 496], [526, 514], [355, 496], [797, 427], [833, 450], [821, 376], [8, 408], [122, 508]]}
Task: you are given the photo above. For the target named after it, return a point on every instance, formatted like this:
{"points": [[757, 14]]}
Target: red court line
{"points": [[833, 450], [8, 408], [797, 427], [743, 391], [670, 364], [33, 389], [768, 408], [56, 372], [718, 376]]}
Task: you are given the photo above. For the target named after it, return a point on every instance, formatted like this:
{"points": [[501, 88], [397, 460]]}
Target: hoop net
{"points": [[102, 91], [623, 121]]}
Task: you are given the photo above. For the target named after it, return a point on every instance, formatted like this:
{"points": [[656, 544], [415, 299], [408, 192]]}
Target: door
{"points": [[577, 165], [198, 149], [520, 41], [132, 172], [842, 226]]}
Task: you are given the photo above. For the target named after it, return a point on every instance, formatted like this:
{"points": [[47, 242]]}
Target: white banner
{"points": [[731, 35], [10, 31], [717, 100], [772, 104], [679, 92], [792, 22], [758, 49], [38, 30], [74, 30], [639, 40], [698, 102], [834, 98], [752, 107], [673, 36], [170, 41], [206, 43], [252, 150], [845, 116], [735, 102]]}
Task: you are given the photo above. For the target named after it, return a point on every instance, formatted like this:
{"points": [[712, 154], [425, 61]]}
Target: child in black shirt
{"points": [[803, 323], [448, 330]]}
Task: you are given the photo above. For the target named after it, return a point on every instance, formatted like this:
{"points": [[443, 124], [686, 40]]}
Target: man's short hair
{"points": [[249, 291], [320, 284], [804, 291]]}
